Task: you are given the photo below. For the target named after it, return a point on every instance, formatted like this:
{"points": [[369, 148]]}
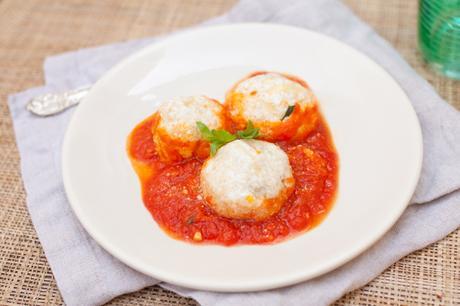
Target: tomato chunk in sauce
{"points": [[171, 192]]}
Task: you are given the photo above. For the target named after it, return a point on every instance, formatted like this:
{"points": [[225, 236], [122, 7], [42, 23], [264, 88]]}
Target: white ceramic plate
{"points": [[374, 127]]}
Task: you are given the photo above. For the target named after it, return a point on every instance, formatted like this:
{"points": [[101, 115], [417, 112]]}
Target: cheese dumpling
{"points": [[175, 133], [283, 107], [247, 179]]}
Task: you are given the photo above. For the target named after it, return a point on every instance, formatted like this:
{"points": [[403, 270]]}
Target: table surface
{"points": [[30, 30]]}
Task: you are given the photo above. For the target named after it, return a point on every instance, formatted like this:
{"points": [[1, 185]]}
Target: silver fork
{"points": [[54, 103]]}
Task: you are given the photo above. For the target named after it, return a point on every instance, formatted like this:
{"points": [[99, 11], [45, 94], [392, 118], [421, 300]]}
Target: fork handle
{"points": [[54, 103]]}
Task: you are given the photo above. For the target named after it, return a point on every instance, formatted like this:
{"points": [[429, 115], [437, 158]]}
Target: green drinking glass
{"points": [[439, 35]]}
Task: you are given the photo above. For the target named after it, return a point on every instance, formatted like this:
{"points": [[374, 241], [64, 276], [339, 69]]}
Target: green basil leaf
{"points": [[218, 138], [214, 147], [223, 136], [205, 131], [249, 133]]}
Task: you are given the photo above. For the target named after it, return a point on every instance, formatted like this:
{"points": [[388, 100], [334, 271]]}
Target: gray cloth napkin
{"points": [[87, 275]]}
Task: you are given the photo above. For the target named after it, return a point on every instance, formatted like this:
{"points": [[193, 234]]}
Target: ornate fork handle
{"points": [[50, 104]]}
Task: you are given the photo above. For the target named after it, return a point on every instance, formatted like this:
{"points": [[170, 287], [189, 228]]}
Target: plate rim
{"points": [[197, 283]]}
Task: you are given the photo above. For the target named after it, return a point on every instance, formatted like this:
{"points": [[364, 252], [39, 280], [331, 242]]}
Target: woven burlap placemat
{"points": [[33, 29]]}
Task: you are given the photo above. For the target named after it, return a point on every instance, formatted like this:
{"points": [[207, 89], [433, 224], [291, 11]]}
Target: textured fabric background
{"points": [[33, 29]]}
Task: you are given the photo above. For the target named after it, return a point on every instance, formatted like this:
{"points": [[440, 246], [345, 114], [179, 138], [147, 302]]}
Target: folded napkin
{"points": [[87, 275]]}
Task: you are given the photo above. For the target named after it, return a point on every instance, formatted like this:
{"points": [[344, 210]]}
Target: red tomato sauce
{"points": [[171, 192]]}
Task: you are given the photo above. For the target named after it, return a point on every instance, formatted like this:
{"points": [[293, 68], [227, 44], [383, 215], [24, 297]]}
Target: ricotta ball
{"points": [[175, 133], [281, 106], [247, 179]]}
